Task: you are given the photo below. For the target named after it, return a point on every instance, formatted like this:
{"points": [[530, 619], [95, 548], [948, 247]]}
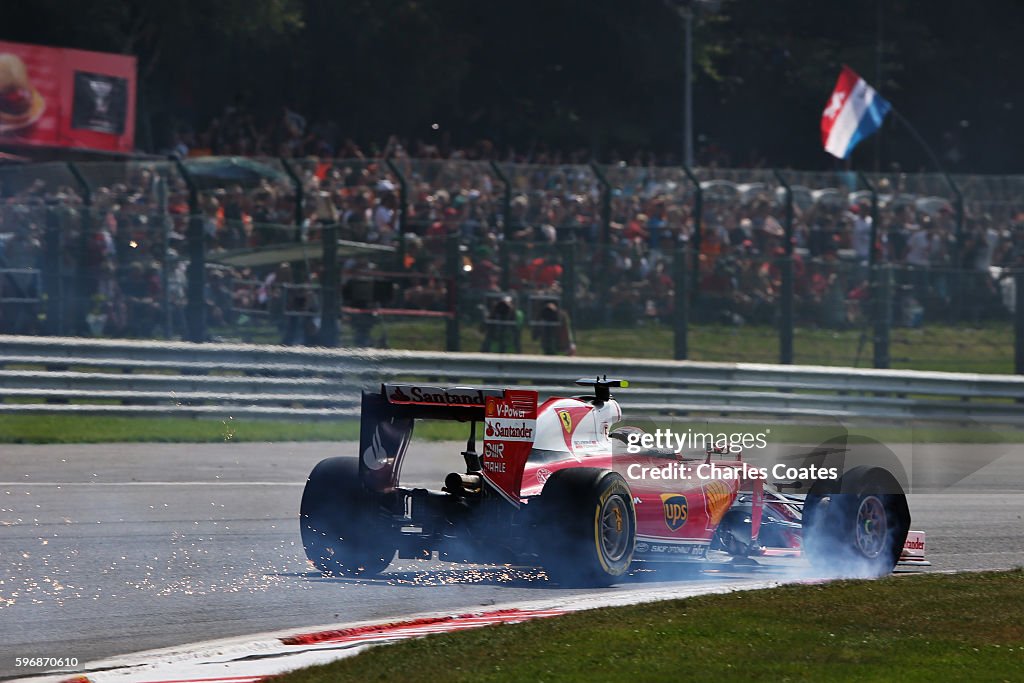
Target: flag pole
{"points": [[920, 140], [958, 204]]}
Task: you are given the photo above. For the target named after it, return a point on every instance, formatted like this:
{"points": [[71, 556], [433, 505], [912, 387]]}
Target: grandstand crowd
{"points": [[122, 256]]}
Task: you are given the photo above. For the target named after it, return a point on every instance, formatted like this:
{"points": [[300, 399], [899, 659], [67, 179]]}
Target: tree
{"points": [[601, 74]]}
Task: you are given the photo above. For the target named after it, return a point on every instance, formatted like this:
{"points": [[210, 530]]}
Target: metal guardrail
{"points": [[59, 374]]}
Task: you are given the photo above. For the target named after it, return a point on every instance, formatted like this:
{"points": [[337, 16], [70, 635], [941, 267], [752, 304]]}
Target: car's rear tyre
{"points": [[856, 526], [587, 526], [343, 530]]}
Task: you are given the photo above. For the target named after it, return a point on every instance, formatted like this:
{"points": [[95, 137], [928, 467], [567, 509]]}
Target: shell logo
{"points": [[716, 501]]}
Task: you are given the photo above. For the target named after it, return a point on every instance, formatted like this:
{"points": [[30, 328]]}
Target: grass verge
{"points": [[922, 628], [44, 429], [986, 348]]}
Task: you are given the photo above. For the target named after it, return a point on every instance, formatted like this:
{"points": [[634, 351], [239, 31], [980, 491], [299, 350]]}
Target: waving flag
{"points": [[854, 112]]}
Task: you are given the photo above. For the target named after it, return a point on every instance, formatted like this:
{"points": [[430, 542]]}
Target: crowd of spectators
{"points": [[98, 267], [118, 263], [239, 131]]}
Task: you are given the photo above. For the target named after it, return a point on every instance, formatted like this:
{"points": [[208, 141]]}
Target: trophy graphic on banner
{"points": [[99, 102], [101, 96]]}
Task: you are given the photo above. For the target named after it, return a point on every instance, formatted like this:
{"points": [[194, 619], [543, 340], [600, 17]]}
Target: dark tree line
{"points": [[604, 75]]}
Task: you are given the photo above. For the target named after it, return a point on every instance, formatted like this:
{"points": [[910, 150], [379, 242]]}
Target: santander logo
{"points": [[399, 396], [505, 430]]}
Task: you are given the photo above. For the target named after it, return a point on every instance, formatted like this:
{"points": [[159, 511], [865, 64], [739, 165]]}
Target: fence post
{"points": [[1018, 322], [605, 260], [454, 268], [681, 312], [506, 202], [882, 304], [880, 290], [160, 186], [53, 277], [80, 308], [195, 306], [958, 265], [568, 249], [504, 262], [329, 287], [403, 205], [698, 232], [298, 214], [786, 304], [300, 269], [872, 256]]}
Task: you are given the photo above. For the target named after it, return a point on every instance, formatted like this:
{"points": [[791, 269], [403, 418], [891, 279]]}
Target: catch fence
{"points": [[907, 270]]}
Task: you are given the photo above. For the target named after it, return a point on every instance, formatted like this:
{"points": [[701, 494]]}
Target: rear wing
{"points": [[439, 403], [387, 418]]}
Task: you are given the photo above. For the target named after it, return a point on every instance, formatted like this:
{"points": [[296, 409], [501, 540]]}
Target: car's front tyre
{"points": [[856, 526]]}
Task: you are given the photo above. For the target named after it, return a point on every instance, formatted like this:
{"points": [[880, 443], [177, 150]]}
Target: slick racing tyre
{"points": [[343, 532], [856, 526], [587, 526]]}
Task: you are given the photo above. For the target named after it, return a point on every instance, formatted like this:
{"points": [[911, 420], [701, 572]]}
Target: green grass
{"points": [[987, 348], [921, 628], [955, 349], [89, 429], [43, 429]]}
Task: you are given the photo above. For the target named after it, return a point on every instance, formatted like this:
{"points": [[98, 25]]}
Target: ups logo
{"points": [[675, 510]]}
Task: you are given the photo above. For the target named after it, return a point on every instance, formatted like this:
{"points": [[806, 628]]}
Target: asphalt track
{"points": [[109, 549]]}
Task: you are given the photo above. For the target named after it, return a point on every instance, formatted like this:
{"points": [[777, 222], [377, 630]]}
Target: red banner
{"points": [[66, 98], [510, 427]]}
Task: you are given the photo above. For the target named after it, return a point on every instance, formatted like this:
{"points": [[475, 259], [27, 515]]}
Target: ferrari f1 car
{"points": [[554, 487]]}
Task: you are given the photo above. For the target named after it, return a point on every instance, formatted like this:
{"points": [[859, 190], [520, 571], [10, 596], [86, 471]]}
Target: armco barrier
{"points": [[59, 374]]}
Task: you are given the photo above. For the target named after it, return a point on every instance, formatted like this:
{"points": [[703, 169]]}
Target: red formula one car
{"points": [[559, 485]]}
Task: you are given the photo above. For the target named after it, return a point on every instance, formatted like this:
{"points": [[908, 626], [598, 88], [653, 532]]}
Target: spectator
{"points": [[554, 330], [141, 292], [503, 327], [861, 239], [20, 291]]}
